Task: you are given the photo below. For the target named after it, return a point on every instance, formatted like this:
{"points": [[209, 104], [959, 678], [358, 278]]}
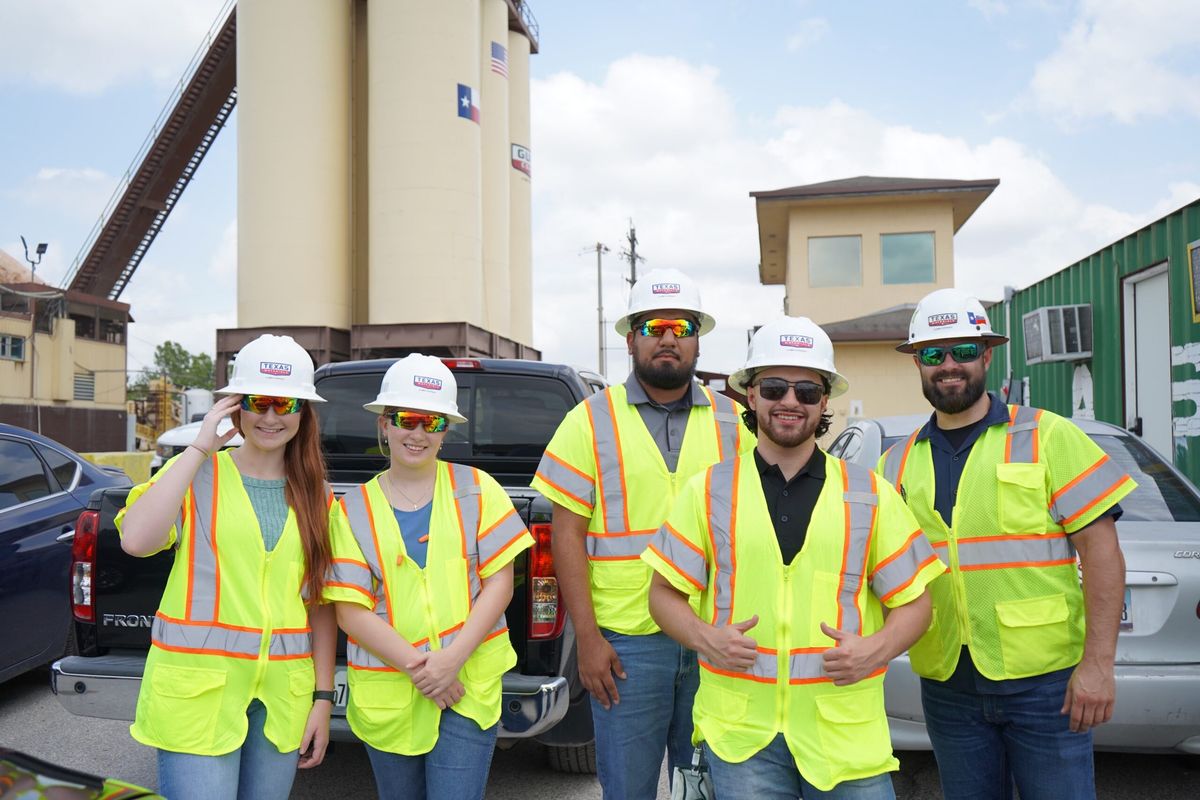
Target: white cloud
{"points": [[66, 45], [224, 261], [1126, 59], [810, 31], [684, 177], [990, 9]]}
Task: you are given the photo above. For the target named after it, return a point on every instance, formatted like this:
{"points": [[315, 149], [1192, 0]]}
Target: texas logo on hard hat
{"points": [[274, 368], [794, 340], [940, 320], [665, 288], [422, 382], [976, 319]]}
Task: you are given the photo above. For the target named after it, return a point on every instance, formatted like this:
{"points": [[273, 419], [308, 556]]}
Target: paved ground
{"points": [[31, 720]]}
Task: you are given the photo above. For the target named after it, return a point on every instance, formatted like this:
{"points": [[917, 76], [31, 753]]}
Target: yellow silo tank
{"points": [[520, 215], [494, 130]]}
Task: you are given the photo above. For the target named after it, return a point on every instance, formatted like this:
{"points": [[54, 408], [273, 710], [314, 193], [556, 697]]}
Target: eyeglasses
{"points": [[409, 420], [262, 403], [807, 392], [963, 353], [682, 328]]}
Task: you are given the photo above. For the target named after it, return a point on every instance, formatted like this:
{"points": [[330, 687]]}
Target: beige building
{"points": [[856, 255], [62, 361]]}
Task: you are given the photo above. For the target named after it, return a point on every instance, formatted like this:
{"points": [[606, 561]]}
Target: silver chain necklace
{"points": [[395, 488]]}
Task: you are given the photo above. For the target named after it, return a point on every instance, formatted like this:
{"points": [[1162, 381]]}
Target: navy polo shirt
{"points": [[950, 450]]}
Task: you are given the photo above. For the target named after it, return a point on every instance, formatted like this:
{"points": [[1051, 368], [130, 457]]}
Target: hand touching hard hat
{"points": [[273, 365]]}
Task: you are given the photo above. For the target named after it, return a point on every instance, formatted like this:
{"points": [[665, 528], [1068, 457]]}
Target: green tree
{"points": [[186, 370]]}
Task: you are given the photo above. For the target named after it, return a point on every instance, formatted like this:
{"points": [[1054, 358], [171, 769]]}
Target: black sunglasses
{"points": [[807, 392], [962, 353]]}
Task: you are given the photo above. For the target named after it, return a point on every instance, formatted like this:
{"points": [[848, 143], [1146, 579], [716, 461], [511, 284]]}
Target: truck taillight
{"points": [[546, 613], [83, 565], [462, 363]]}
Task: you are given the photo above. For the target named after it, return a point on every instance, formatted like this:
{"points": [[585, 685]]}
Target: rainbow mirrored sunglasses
{"points": [[262, 403], [681, 328], [409, 420], [963, 353]]}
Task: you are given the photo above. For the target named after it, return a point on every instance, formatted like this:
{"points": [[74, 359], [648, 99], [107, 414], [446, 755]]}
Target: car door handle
{"points": [[66, 536]]}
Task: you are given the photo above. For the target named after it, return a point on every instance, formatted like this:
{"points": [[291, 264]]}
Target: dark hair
{"points": [[750, 417]]}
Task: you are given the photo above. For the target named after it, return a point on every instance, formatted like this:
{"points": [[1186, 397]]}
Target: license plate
{"points": [[341, 691], [1127, 611]]}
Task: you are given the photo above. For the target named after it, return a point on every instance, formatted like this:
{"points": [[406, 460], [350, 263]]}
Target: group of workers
{"points": [[732, 586]]}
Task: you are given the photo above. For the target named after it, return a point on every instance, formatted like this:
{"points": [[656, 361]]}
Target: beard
{"points": [[791, 435], [953, 400], [665, 374]]}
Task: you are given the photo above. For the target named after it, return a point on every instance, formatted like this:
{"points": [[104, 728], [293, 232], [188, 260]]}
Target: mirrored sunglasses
{"points": [[962, 353], [681, 328], [807, 392], [261, 404], [409, 420]]}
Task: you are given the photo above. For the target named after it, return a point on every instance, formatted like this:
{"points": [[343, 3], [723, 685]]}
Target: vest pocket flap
{"points": [[302, 681], [1026, 476], [631, 574], [382, 691], [170, 680], [1032, 612], [849, 708], [491, 660]]}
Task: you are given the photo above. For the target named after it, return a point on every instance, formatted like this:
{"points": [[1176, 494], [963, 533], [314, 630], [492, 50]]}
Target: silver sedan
{"points": [[1158, 650]]}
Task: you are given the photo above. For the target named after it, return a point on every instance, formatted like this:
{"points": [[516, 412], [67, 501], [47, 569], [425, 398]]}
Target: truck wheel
{"points": [[579, 759]]}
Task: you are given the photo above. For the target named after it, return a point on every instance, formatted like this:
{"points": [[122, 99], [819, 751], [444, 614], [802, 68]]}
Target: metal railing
{"points": [[167, 110]]}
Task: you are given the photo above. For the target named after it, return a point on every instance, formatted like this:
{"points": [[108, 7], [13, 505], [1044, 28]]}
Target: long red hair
{"points": [[307, 493]]}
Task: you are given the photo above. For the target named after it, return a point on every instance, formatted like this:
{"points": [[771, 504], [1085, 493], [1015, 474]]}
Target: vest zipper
{"points": [[435, 641], [264, 647], [784, 659]]}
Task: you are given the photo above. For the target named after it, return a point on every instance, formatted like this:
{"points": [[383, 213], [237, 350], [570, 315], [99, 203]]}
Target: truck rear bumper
{"points": [[107, 687]]}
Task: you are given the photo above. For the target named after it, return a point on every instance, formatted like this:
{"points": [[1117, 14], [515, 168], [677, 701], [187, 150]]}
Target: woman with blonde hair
{"points": [[240, 640], [422, 574]]}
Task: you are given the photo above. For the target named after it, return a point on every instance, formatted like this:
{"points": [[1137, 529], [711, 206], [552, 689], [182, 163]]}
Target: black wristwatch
{"points": [[324, 694]]}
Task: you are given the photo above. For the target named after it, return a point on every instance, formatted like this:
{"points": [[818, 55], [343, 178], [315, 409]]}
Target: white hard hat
{"points": [[273, 365], [948, 314], [662, 289], [790, 342], [419, 382]]}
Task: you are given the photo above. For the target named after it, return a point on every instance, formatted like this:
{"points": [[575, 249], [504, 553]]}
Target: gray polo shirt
{"points": [[667, 423]]}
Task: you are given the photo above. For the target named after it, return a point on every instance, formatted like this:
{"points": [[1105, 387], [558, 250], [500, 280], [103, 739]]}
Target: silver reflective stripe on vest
{"points": [[493, 541], [499, 627], [998, 552], [806, 667], [720, 491], [1077, 497], [468, 501], [202, 548], [348, 574], [358, 514], [205, 637], [894, 459], [861, 502], [608, 470], [728, 422], [682, 555], [898, 570], [290, 644], [567, 479], [1022, 436]]}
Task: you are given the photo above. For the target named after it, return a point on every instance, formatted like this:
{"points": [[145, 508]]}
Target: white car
{"points": [[174, 441], [1158, 650]]}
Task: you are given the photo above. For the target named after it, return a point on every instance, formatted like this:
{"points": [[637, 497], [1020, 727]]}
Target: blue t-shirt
{"points": [[414, 529]]}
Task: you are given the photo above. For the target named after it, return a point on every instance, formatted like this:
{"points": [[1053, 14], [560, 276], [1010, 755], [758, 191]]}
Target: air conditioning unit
{"points": [[1058, 333]]}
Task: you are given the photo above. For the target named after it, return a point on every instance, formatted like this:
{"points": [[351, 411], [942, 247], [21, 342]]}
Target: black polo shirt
{"points": [[791, 503]]}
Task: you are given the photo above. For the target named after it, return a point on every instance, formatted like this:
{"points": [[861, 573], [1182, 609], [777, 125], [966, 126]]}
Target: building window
{"points": [[834, 261], [12, 347], [907, 257], [85, 386]]}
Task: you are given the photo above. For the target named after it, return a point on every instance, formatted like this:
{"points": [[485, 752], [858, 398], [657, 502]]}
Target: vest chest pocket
{"points": [[185, 702], [631, 574], [1032, 633], [1022, 498]]}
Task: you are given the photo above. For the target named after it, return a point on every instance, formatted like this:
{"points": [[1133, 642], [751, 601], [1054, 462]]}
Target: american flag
{"points": [[499, 59]]}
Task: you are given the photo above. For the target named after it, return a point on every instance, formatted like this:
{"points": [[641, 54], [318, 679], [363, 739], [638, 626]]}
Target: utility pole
{"points": [[630, 253], [602, 360], [33, 265]]}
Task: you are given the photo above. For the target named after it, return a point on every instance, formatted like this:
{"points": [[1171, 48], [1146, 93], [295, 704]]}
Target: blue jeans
{"points": [[654, 715], [255, 770], [772, 774], [455, 769], [979, 740]]}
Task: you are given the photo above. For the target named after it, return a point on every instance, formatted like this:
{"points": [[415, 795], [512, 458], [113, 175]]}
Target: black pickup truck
{"points": [[514, 408]]}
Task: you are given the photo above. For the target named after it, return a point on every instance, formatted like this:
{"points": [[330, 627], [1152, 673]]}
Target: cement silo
{"points": [[425, 106], [293, 199], [494, 130], [520, 248]]}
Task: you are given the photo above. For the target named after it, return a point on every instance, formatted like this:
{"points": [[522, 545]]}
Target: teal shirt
{"points": [[270, 506]]}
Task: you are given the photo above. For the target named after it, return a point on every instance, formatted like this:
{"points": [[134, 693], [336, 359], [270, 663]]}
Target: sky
{"points": [[666, 114]]}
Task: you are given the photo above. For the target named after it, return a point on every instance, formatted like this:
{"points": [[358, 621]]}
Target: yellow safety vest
{"points": [[1012, 594], [474, 531], [603, 464], [863, 549], [232, 625]]}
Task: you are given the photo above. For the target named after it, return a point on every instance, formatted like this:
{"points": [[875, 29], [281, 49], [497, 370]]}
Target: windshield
{"points": [[1161, 496]]}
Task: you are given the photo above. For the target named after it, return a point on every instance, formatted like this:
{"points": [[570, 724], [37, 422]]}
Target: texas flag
{"points": [[468, 106]]}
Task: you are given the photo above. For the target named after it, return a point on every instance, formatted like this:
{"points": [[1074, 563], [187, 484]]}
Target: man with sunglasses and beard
{"points": [[612, 470], [810, 574], [1017, 667]]}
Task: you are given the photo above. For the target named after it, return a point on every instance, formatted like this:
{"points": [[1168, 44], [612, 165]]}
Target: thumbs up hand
{"points": [[852, 659], [729, 648]]}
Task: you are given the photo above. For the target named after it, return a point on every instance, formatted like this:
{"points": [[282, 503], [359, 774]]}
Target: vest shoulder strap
{"points": [[1021, 445]]}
